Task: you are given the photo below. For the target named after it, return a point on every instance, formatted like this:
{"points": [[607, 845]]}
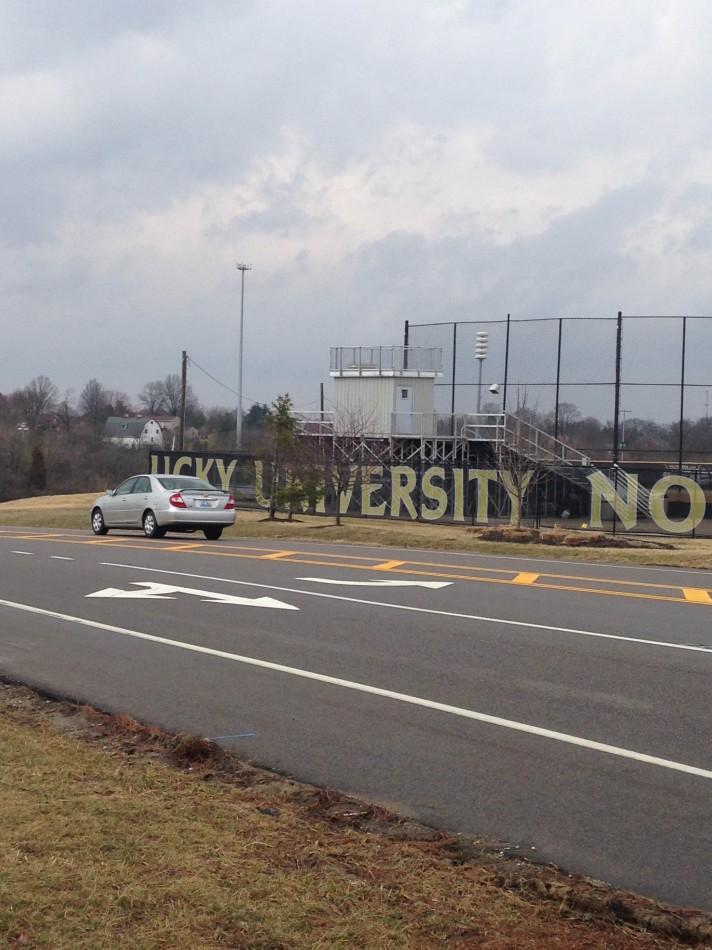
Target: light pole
{"points": [[481, 344], [238, 422]]}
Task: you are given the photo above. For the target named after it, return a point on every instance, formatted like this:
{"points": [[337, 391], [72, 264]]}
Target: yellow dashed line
{"points": [[687, 595], [183, 547], [35, 537], [697, 595], [525, 578]]}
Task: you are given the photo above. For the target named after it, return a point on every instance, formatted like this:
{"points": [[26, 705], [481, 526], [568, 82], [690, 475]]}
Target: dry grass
{"points": [[106, 845], [72, 511]]}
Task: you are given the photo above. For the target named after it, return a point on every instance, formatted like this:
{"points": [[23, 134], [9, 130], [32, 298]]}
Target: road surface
{"points": [[561, 707]]}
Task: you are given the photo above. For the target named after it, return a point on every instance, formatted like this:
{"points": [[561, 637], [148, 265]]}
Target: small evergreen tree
{"points": [[282, 427], [37, 472]]}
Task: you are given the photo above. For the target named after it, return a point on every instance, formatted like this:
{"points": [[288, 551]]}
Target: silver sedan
{"points": [[160, 503]]}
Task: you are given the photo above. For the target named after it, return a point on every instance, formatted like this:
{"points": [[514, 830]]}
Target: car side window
{"points": [[125, 488], [142, 486]]}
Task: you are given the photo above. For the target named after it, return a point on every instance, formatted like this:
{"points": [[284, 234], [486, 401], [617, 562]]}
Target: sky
{"points": [[429, 161]]}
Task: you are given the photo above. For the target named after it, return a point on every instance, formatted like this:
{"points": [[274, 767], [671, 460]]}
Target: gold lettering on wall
{"points": [[368, 488], [403, 480], [483, 476], [226, 473], [657, 504], [434, 493], [604, 490]]}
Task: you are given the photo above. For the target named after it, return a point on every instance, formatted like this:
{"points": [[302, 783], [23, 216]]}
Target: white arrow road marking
{"points": [[154, 591], [435, 585], [524, 624]]}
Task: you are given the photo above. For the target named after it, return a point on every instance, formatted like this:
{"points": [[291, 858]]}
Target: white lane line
{"points": [[375, 691], [425, 610], [25, 553], [58, 557]]}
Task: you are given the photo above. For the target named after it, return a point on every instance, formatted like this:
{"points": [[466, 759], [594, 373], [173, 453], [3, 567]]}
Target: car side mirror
{"points": [[110, 491]]}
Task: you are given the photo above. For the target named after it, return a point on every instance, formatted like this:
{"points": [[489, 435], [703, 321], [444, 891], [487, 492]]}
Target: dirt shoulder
{"points": [[72, 511], [118, 834]]}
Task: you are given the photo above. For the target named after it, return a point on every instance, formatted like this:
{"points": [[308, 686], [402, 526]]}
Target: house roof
{"points": [[119, 427]]}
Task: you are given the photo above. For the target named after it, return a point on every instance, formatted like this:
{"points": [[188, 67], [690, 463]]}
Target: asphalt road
{"points": [[560, 707]]}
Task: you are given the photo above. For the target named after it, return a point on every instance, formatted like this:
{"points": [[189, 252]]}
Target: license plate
{"points": [[204, 504]]}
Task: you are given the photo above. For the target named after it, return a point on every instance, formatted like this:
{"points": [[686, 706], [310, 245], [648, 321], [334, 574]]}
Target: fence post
{"points": [[454, 363], [506, 366], [682, 396], [617, 398], [558, 382]]}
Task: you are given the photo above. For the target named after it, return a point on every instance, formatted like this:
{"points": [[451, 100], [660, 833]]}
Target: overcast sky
{"points": [[373, 162]]}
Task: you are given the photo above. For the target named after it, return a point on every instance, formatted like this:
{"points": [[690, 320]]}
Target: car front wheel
{"points": [[151, 528], [98, 525], [212, 534]]}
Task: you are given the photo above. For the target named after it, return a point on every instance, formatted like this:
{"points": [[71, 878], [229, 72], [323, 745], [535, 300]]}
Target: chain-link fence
{"points": [[620, 388]]}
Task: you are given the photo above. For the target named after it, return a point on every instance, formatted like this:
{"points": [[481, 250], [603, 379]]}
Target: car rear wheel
{"points": [[212, 534], [151, 528], [98, 525]]}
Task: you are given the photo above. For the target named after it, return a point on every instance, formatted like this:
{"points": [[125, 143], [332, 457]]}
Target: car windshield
{"points": [[185, 483]]}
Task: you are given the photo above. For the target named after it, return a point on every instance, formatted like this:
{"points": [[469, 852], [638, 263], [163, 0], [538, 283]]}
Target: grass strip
{"points": [[115, 835], [72, 511]]}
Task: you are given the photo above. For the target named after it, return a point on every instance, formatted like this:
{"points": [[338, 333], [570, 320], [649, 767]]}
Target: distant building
{"points": [[386, 390], [133, 433]]}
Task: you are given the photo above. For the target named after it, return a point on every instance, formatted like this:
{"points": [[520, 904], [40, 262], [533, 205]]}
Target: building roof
{"points": [[120, 427]]}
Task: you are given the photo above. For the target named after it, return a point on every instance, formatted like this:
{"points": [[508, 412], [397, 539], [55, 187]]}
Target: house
{"points": [[133, 433]]}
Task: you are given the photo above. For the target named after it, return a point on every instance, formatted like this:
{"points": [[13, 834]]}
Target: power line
{"points": [[214, 378], [224, 385]]}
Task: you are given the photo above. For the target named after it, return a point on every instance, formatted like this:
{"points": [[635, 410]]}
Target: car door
{"points": [[117, 506], [139, 500]]}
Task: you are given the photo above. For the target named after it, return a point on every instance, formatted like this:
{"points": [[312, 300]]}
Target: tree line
{"points": [[51, 442]]}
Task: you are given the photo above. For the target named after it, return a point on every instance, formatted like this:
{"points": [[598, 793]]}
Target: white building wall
{"points": [[152, 434], [365, 403], [368, 402]]}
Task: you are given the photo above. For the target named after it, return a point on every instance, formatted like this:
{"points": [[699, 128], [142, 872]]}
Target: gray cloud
{"points": [[434, 161]]}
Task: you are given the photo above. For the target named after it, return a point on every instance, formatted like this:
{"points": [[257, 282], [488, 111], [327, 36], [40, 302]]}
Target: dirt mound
{"points": [[569, 539]]}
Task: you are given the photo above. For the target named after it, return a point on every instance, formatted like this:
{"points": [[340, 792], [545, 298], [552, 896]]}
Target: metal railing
{"points": [[523, 437], [484, 427], [372, 360], [539, 445], [316, 423]]}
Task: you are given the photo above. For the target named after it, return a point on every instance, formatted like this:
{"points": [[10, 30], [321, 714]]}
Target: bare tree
{"points": [[519, 469], [350, 430], [119, 403], [171, 391], [95, 404], [37, 399], [152, 397], [65, 412]]}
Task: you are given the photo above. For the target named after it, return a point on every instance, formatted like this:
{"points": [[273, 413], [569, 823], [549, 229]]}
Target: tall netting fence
{"points": [[569, 375]]}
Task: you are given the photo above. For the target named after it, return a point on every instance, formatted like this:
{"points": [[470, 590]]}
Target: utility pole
{"points": [[238, 424], [183, 386]]}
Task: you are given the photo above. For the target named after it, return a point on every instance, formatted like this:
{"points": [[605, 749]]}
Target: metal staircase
{"points": [[542, 449]]}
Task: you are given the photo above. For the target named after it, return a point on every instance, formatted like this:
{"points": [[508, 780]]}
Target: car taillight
{"points": [[177, 500], [230, 503]]}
